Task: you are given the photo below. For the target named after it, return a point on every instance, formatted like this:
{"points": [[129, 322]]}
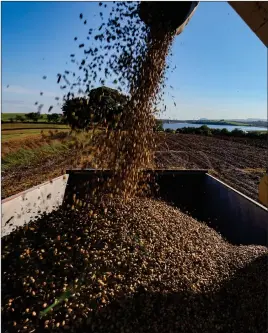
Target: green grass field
{"points": [[15, 126], [8, 116], [27, 157], [11, 131], [25, 133], [225, 122], [235, 123]]}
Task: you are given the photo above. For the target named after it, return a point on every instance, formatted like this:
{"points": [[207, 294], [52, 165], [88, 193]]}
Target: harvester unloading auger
{"points": [[173, 16]]}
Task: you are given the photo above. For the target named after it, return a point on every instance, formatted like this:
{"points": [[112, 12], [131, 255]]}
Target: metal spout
{"points": [[166, 16]]}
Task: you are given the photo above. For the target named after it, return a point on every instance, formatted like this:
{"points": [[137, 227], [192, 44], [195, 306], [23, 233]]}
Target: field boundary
{"points": [[28, 128], [28, 122]]}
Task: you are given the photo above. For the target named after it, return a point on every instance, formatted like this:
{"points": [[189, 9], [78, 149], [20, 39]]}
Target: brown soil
{"points": [[18, 180], [237, 162]]}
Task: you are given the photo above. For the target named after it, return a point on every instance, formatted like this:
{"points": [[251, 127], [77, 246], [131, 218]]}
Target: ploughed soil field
{"points": [[20, 179], [238, 162], [23, 178], [65, 273]]}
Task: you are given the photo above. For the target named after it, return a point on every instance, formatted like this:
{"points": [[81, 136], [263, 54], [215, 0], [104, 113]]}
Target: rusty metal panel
{"points": [[28, 205], [255, 15]]}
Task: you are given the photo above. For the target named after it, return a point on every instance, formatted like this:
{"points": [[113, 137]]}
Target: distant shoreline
{"points": [[212, 122]]}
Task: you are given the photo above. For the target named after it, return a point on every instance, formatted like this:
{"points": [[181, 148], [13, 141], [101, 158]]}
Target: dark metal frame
{"points": [[238, 218]]}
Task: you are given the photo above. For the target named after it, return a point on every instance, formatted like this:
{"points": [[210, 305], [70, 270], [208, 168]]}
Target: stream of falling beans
{"points": [[138, 59], [132, 150], [141, 266]]}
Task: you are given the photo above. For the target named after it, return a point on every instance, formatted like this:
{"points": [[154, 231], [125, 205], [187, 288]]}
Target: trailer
{"points": [[239, 219]]}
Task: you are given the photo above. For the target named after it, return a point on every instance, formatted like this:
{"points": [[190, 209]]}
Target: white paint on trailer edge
{"points": [[23, 207]]}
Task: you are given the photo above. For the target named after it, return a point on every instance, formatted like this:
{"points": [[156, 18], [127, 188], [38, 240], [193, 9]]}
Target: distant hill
{"points": [[250, 119], [228, 122]]}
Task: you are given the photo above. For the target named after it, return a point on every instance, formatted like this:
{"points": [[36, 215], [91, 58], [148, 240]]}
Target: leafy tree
{"points": [[225, 131], [253, 134], [19, 118], [63, 120], [28, 116], [108, 106], [77, 113], [159, 126], [53, 118], [188, 130], [205, 130], [103, 106], [215, 131], [237, 132], [33, 116], [169, 130]]}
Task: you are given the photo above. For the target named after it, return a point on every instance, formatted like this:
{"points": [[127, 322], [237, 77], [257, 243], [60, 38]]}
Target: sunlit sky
{"points": [[221, 66]]}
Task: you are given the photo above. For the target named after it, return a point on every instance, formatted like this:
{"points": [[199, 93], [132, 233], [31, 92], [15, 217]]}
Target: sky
{"points": [[221, 66]]}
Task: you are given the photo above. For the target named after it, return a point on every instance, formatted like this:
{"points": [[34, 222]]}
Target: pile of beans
{"points": [[141, 266]]}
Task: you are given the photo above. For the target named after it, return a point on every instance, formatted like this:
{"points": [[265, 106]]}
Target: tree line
{"points": [[106, 107], [102, 106], [205, 130], [35, 117]]}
